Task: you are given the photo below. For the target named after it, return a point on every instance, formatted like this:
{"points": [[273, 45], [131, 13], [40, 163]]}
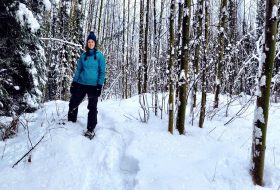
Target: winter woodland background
{"points": [[187, 48]]}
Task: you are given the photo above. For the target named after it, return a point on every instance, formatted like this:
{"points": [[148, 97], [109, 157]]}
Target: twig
{"points": [[28, 135], [145, 107], [28, 152], [245, 106], [212, 130], [57, 109], [109, 89], [4, 149], [27, 128], [56, 128], [221, 134], [215, 172], [132, 117], [274, 156]]}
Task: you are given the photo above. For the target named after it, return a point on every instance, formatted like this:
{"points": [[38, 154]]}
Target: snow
{"points": [[186, 11], [31, 100], [263, 80], [259, 115], [258, 91], [56, 2], [127, 154], [27, 60], [260, 69], [16, 87], [182, 76], [274, 12], [25, 16], [47, 4]]}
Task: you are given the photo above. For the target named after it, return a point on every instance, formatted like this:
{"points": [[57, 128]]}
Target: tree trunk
{"points": [[232, 62], [124, 76], [99, 18], [178, 42], [145, 58], [90, 16], [204, 66], [156, 42], [171, 67], [199, 17], [127, 51], [263, 92], [260, 17], [132, 49], [220, 61], [141, 37], [180, 123]]}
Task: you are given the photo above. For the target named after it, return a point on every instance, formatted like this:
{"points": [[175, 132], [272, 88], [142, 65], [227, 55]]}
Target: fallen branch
{"points": [[212, 130], [241, 111], [28, 152]]}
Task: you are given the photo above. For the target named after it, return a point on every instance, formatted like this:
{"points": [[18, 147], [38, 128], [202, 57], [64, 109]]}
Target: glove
{"points": [[98, 90], [73, 87]]}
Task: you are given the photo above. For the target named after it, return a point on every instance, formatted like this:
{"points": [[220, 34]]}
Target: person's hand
{"points": [[73, 87], [98, 90]]}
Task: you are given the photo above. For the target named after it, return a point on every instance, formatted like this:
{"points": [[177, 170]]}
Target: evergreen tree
{"points": [[22, 60]]}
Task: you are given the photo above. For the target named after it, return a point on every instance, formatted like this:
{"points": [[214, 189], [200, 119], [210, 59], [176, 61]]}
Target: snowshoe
{"points": [[89, 134], [61, 122]]}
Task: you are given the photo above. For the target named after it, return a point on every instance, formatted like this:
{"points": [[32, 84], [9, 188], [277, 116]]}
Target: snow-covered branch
{"points": [[62, 41]]}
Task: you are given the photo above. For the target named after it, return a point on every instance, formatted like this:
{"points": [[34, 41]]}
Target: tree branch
{"points": [[28, 152]]}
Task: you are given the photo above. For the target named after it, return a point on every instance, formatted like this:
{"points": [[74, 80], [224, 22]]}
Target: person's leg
{"points": [[92, 107], [76, 98]]}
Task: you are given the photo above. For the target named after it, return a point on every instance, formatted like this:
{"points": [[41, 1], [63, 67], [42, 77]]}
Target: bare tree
{"points": [[141, 37], [266, 63], [220, 61], [198, 20], [170, 67], [180, 123], [145, 57], [204, 65]]}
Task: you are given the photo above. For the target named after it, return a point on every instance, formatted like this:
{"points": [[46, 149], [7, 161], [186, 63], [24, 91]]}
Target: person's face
{"points": [[91, 44]]}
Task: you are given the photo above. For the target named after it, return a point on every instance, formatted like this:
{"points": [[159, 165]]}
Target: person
{"points": [[88, 80]]}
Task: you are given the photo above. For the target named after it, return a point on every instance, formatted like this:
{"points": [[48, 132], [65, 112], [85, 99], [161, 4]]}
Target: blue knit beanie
{"points": [[91, 36]]}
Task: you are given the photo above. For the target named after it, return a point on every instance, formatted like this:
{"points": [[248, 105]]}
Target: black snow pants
{"points": [[78, 92]]}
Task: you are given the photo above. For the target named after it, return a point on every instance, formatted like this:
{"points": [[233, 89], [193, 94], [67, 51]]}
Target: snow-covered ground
{"points": [[127, 154]]}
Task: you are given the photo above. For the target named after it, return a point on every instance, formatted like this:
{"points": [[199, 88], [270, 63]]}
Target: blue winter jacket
{"points": [[91, 71]]}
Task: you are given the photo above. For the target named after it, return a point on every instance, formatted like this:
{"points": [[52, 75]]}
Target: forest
{"points": [[185, 49]]}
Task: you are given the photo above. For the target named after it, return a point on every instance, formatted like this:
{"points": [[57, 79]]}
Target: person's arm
{"points": [[78, 70], [101, 70]]}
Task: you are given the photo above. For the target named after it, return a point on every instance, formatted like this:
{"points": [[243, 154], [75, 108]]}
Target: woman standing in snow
{"points": [[88, 79]]}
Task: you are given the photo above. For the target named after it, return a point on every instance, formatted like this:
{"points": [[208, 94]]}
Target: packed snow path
{"points": [[73, 161], [127, 154]]}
